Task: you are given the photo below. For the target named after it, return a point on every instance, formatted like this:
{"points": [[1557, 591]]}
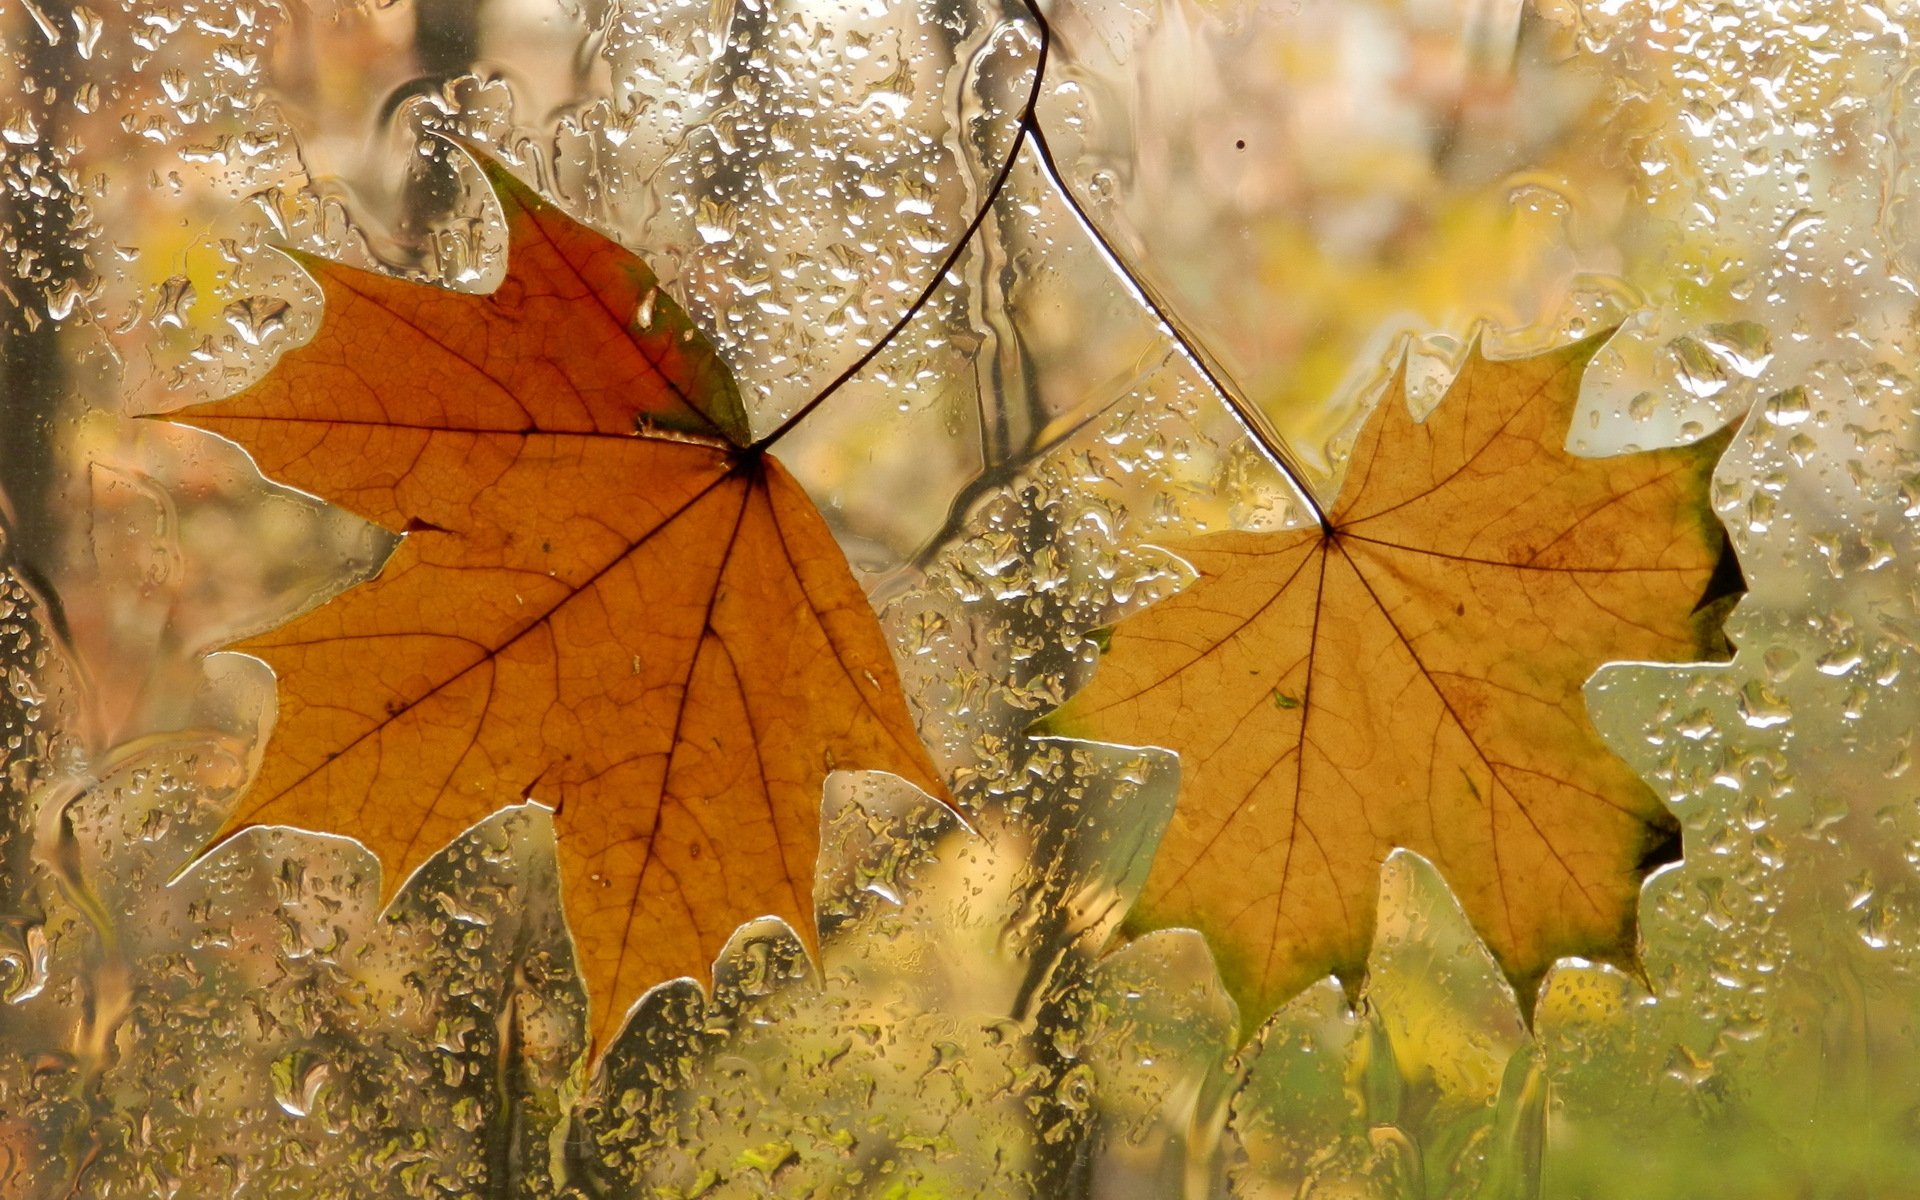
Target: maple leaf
{"points": [[607, 598], [1408, 674]]}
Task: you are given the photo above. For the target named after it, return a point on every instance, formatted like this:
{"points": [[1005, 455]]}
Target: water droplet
{"points": [[87, 26], [20, 128], [1743, 346], [714, 221], [1696, 370], [175, 296], [1787, 408], [256, 318], [297, 1082], [23, 960], [1763, 708]]}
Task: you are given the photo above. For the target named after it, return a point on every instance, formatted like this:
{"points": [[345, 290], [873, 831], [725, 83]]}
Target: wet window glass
{"points": [[928, 598]]}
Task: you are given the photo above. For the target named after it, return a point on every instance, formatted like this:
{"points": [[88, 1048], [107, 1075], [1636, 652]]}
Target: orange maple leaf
{"points": [[608, 598], [1408, 673]]}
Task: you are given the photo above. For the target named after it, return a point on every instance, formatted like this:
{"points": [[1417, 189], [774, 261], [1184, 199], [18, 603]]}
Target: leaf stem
{"points": [[1251, 419], [1029, 133], [1023, 130]]}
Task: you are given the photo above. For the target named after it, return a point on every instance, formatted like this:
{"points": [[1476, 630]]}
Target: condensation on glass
{"points": [[1285, 197]]}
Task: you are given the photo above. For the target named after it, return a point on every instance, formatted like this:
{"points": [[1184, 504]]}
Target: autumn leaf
{"points": [[1408, 673], [608, 599]]}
